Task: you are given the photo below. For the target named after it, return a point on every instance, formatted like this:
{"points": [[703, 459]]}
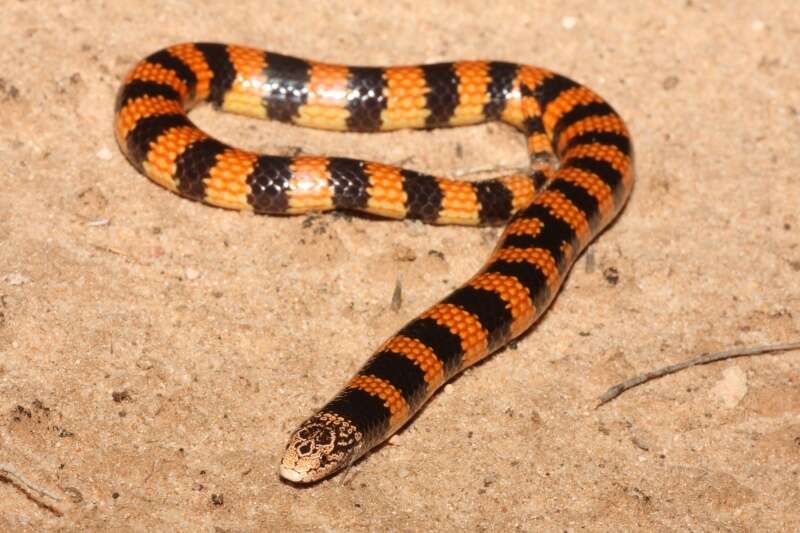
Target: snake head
{"points": [[322, 445]]}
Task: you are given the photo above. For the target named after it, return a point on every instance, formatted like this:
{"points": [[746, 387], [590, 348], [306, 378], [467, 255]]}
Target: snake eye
{"points": [[325, 438]]}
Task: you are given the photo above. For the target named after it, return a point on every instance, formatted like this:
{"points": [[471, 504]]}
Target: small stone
{"points": [[121, 396], [670, 82], [74, 494], [404, 253], [15, 279], [145, 363], [732, 388], [569, 22], [104, 154], [612, 275]]}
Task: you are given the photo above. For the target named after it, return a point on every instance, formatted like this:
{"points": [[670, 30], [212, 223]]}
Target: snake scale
{"points": [[581, 174]]}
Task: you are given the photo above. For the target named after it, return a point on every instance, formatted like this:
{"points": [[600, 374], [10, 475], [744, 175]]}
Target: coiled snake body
{"points": [[580, 177]]}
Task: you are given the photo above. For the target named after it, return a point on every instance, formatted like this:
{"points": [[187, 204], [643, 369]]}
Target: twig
{"points": [[704, 359], [493, 169], [111, 249], [38, 494]]}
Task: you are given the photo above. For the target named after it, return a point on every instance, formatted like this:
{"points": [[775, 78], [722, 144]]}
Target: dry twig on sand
{"points": [[704, 359]]}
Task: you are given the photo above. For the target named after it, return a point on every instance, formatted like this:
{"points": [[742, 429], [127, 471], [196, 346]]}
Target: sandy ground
{"points": [[155, 353]]}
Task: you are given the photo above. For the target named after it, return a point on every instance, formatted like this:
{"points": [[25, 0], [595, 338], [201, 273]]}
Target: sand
{"points": [[155, 353]]}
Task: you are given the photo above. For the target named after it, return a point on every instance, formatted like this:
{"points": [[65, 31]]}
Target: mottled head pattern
{"points": [[324, 444]]}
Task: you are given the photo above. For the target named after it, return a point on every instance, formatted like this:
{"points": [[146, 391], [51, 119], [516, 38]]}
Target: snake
{"points": [[579, 177]]}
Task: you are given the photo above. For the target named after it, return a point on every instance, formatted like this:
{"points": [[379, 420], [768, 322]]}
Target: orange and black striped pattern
{"points": [[580, 177]]}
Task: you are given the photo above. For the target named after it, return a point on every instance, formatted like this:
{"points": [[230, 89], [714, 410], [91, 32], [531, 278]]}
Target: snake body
{"points": [[580, 176]]}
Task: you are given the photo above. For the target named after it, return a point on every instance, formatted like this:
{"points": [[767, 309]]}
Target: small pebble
{"points": [[569, 22], [192, 274], [145, 363], [404, 253], [15, 278], [104, 154], [670, 82]]}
